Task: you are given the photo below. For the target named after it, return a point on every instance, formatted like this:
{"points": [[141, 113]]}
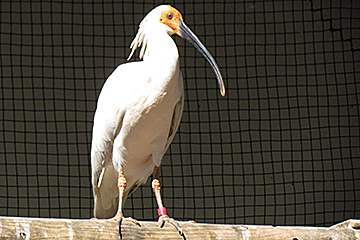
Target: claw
{"points": [[120, 219], [165, 218]]}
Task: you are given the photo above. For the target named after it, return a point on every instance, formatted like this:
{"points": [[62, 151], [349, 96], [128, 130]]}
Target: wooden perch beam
{"points": [[40, 228]]}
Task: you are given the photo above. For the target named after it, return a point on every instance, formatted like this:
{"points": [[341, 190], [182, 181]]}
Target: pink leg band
{"points": [[162, 211]]}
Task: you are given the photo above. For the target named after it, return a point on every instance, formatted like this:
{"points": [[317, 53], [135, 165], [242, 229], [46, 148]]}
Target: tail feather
{"points": [[106, 194]]}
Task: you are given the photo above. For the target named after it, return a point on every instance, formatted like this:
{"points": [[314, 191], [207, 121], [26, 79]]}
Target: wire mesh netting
{"points": [[281, 148]]}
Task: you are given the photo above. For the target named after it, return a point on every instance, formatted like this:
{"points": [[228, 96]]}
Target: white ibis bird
{"points": [[138, 113]]}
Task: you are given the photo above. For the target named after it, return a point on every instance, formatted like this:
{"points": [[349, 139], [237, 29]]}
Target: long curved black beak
{"points": [[187, 34]]}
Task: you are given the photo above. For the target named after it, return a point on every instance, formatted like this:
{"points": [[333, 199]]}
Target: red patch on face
{"points": [[171, 17]]}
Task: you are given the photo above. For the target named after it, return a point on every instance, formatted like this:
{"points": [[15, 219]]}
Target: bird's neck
{"points": [[161, 50], [162, 60]]}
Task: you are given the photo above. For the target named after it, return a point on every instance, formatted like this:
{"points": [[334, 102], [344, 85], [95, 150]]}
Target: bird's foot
{"points": [[120, 218], [128, 219], [165, 218]]}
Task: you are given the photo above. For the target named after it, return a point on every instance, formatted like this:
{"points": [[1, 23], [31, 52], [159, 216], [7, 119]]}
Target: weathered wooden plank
{"points": [[43, 228]]}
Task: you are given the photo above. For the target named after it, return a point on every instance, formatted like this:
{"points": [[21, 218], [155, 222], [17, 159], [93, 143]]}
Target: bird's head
{"points": [[173, 22], [171, 18]]}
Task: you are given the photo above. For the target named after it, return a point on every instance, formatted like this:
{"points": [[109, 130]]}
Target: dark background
{"points": [[282, 147]]}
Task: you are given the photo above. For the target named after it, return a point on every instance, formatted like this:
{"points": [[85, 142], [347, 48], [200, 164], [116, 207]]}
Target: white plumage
{"points": [[138, 112]]}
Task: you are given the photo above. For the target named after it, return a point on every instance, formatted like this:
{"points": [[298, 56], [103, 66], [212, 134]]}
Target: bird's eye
{"points": [[170, 16]]}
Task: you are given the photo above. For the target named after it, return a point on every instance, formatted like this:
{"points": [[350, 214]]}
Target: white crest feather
{"points": [[141, 37], [139, 40]]}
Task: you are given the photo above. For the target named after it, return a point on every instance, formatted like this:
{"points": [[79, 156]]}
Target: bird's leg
{"points": [[163, 217], [119, 215]]}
